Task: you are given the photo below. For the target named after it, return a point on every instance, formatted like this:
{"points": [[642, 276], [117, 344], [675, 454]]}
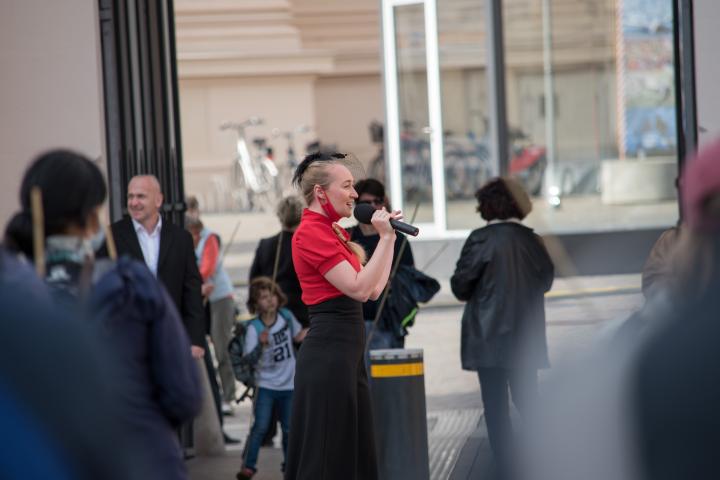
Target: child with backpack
{"points": [[268, 344]]}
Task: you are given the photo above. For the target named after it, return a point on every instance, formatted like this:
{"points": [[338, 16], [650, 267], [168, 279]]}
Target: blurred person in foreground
{"points": [[657, 273], [59, 418], [503, 273], [273, 257], [132, 318], [645, 405]]}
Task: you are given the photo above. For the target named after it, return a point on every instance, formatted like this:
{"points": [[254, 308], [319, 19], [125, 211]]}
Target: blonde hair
{"points": [[317, 173]]}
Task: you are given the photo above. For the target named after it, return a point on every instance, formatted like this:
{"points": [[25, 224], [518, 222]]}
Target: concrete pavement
{"points": [[458, 447]]}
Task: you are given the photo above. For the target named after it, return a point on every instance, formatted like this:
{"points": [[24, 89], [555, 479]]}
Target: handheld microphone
{"points": [[364, 212]]}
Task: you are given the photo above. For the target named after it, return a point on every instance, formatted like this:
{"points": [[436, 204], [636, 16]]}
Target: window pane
{"points": [[461, 31], [591, 109], [413, 109]]}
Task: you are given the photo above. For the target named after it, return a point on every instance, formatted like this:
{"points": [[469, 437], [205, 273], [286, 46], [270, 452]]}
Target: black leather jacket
{"points": [[503, 273]]}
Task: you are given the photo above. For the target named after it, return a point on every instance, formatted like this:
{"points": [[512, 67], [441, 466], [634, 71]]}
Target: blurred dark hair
{"points": [[375, 188], [193, 223], [72, 187], [371, 186], [502, 198], [259, 284], [192, 203], [289, 212]]}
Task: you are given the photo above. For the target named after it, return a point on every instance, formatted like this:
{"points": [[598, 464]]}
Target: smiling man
{"points": [[168, 252]]}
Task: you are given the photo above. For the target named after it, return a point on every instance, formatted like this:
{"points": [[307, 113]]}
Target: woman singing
{"points": [[331, 429]]}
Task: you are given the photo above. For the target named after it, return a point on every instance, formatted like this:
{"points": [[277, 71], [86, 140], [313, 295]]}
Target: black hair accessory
{"points": [[312, 158]]}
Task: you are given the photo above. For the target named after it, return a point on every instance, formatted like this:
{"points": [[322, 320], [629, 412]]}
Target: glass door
{"points": [[413, 111]]}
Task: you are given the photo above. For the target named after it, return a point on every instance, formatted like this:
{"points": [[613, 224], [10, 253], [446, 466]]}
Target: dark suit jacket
{"points": [[263, 265], [177, 270]]}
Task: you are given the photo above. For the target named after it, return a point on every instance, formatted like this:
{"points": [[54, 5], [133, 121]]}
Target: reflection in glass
{"points": [[467, 160], [609, 87], [414, 119]]}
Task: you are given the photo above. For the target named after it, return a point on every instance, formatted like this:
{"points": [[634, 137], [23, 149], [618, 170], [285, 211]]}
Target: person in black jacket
{"points": [[503, 273], [384, 335], [168, 252], [289, 210]]}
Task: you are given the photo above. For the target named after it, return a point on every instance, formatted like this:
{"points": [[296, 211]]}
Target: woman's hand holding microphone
{"points": [[381, 221]]}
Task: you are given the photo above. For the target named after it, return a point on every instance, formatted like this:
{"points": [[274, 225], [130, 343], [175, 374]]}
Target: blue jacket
{"points": [[158, 382], [57, 417]]}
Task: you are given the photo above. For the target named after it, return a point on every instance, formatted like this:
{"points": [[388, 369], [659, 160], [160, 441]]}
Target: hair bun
{"points": [[19, 233]]}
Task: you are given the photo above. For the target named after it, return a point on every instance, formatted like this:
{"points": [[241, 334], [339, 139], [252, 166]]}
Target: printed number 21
{"points": [[281, 353]]}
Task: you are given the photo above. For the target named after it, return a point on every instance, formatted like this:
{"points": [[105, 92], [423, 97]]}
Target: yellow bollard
{"points": [[398, 396]]}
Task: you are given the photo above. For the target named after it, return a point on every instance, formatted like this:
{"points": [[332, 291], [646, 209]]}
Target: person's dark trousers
{"points": [[494, 384], [266, 401], [272, 428]]}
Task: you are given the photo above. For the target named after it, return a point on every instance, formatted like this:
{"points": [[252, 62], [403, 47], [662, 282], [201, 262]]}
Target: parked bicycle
{"points": [[254, 178], [467, 162], [415, 154], [287, 168]]}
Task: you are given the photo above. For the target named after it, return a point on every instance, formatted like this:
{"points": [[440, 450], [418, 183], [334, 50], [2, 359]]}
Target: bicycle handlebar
{"points": [[252, 121]]}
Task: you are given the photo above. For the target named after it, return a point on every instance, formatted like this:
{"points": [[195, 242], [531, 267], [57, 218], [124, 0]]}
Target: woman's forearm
{"points": [[382, 283], [374, 275], [363, 285]]}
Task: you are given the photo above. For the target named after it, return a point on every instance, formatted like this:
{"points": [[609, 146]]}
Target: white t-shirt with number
{"points": [[276, 368]]}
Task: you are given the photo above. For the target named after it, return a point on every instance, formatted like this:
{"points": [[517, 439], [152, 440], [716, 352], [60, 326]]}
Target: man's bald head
{"points": [[144, 200], [150, 181]]}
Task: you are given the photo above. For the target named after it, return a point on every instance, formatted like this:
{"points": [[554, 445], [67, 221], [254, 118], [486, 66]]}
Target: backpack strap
{"points": [[288, 317], [258, 325]]}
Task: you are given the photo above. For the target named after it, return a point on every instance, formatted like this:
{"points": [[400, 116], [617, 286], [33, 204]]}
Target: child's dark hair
{"points": [[259, 284], [72, 186]]}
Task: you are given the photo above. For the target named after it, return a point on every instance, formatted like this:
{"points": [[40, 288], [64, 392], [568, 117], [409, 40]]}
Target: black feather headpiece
{"points": [[312, 158]]}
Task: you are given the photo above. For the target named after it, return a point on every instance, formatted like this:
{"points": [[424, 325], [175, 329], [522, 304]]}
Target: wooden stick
{"points": [[276, 264], [110, 243], [228, 244], [435, 256], [38, 221]]}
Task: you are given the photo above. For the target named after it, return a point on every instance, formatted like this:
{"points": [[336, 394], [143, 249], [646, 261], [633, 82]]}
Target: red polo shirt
{"points": [[317, 249]]}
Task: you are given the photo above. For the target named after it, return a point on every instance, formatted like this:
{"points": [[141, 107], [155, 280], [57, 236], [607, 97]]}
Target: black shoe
{"points": [[230, 440], [245, 474]]}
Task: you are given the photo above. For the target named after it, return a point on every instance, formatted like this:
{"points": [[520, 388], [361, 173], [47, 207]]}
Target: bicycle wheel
{"points": [[240, 192]]}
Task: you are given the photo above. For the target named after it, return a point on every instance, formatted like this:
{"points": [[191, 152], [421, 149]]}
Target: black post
{"points": [[495, 54], [685, 96], [141, 100]]}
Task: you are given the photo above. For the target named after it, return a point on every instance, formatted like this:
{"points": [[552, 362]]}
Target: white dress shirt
{"points": [[149, 244]]}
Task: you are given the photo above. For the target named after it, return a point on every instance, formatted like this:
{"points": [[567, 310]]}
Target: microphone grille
{"points": [[363, 212]]}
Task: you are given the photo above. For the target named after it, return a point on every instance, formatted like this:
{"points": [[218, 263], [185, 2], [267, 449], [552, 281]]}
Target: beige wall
{"points": [[339, 110], [345, 106], [51, 93], [283, 103]]}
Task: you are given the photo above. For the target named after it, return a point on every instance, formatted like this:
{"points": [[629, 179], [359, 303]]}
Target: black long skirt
{"points": [[331, 428]]}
